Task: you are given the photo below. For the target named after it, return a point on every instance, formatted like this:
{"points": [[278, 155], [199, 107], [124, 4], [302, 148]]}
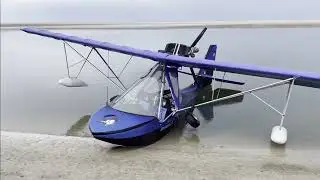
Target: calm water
{"points": [[32, 100]]}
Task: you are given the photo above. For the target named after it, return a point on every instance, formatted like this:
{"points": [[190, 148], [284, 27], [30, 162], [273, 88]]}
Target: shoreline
{"points": [[40, 156]]}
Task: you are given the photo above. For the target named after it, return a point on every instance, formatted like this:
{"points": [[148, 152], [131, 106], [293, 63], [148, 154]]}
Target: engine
{"points": [[180, 50]]}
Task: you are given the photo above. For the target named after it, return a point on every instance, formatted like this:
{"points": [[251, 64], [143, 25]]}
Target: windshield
{"points": [[142, 98]]}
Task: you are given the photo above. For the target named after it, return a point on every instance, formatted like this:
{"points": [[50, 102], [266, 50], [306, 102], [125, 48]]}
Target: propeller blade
{"points": [[199, 37]]}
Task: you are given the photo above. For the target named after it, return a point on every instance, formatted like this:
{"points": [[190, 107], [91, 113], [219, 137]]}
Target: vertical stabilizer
{"points": [[211, 55]]}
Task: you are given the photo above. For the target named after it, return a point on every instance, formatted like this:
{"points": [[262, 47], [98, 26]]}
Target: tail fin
{"points": [[211, 55]]}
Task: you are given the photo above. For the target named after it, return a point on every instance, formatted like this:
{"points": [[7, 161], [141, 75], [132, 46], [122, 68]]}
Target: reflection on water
{"points": [[80, 128], [208, 94], [277, 149]]}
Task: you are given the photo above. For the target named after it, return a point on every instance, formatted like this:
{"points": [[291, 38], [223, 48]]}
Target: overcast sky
{"points": [[156, 10]]}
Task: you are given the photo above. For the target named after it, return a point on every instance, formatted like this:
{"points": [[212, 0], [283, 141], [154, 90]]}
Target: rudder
{"points": [[211, 55]]}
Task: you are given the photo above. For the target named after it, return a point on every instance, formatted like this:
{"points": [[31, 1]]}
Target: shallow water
{"points": [[32, 101]]}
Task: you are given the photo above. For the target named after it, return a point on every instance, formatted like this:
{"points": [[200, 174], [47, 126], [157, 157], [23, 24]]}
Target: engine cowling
{"points": [[177, 49]]}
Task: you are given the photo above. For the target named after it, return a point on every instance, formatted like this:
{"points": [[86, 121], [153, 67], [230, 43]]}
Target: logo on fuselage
{"points": [[108, 122]]}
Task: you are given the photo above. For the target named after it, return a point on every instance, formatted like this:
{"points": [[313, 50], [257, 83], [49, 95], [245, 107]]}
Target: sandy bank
{"points": [[34, 156]]}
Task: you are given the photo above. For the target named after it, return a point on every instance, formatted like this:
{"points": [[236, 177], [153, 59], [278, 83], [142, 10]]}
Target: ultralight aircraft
{"points": [[154, 103]]}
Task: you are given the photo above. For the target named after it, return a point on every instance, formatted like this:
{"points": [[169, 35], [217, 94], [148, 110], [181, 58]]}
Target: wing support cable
{"points": [[66, 55], [283, 113], [85, 59], [275, 84], [109, 68], [125, 66], [70, 66], [84, 62], [224, 75], [214, 80], [287, 102], [109, 63], [194, 76]]}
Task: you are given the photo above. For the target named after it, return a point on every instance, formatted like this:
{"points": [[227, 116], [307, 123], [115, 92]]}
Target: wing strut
{"points": [[279, 133], [109, 67], [85, 59], [240, 94], [84, 63], [161, 92], [65, 53]]}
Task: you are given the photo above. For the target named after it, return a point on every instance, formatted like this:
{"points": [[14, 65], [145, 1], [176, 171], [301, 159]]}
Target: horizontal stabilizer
{"points": [[216, 79]]}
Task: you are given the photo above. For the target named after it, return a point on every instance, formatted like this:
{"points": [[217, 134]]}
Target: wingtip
{"points": [[24, 29], [27, 29]]}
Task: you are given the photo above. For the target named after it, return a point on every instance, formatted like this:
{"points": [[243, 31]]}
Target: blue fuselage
{"points": [[125, 128]]}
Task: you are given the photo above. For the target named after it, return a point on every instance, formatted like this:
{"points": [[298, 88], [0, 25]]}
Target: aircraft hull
{"points": [[127, 129], [132, 129], [131, 140]]}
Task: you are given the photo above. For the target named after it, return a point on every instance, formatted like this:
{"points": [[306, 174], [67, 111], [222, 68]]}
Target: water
{"points": [[32, 101]]}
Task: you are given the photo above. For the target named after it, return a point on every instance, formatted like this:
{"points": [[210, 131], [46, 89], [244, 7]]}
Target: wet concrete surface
{"points": [[35, 156]]}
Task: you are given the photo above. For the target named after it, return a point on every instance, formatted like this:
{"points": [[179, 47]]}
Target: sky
{"points": [[105, 11]]}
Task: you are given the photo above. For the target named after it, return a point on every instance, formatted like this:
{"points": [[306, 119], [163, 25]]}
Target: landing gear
{"points": [[191, 119]]}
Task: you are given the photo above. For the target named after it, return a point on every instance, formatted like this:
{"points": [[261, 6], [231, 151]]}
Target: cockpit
{"points": [[143, 98]]}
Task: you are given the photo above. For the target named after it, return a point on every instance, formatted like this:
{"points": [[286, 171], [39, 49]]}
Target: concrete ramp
{"points": [[35, 156]]}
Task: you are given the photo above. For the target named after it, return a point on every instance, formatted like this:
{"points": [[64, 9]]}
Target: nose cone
{"points": [[109, 121]]}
